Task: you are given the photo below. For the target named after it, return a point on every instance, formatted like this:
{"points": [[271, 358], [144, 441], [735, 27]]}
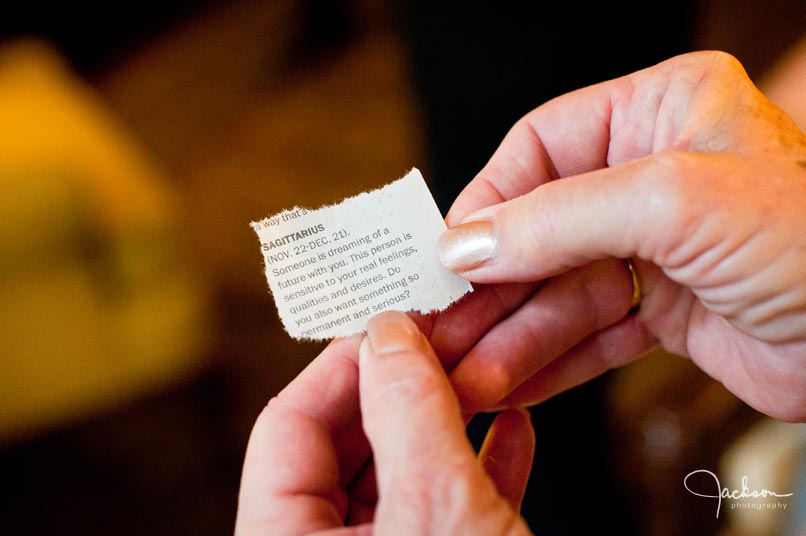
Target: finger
{"points": [[291, 473], [507, 453], [659, 209], [327, 390], [565, 136], [598, 126], [561, 225], [593, 297], [411, 415], [453, 332], [281, 490], [519, 165], [426, 468], [658, 131], [327, 393], [613, 347]]}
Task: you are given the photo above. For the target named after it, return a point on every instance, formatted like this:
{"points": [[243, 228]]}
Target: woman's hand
{"points": [[687, 169], [397, 462]]}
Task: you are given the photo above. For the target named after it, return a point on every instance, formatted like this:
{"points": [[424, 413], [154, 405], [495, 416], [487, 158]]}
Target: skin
{"points": [[690, 171], [395, 460], [685, 168]]}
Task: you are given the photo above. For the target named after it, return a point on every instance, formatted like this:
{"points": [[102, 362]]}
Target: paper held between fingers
{"points": [[331, 269]]}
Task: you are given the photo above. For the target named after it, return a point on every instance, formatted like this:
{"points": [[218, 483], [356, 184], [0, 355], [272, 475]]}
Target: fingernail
{"points": [[393, 331], [466, 246]]}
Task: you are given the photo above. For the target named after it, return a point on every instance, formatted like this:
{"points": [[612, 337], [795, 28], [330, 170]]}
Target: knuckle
{"points": [[712, 61], [721, 60], [676, 198]]}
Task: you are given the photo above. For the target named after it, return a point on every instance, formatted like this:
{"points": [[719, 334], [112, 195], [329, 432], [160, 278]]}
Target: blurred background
{"points": [[138, 340]]}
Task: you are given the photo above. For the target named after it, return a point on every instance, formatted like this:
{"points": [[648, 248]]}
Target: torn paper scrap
{"points": [[330, 270]]}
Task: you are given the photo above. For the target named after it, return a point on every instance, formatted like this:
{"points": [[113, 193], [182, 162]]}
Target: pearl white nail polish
{"points": [[467, 246]]}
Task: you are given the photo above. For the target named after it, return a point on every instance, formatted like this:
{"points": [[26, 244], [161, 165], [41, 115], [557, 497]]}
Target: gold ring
{"points": [[636, 287]]}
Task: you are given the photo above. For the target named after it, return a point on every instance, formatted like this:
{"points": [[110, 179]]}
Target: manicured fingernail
{"points": [[466, 246], [393, 331]]}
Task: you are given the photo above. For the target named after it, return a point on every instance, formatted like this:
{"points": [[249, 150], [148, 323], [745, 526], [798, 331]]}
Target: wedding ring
{"points": [[636, 287]]}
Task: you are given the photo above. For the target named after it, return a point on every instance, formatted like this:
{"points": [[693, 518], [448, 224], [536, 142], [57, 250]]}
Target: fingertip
{"points": [[467, 246], [390, 332], [517, 418], [508, 451], [409, 412], [520, 411]]}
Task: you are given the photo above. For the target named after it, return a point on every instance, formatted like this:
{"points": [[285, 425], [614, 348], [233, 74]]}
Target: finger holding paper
{"points": [[310, 468], [684, 167]]}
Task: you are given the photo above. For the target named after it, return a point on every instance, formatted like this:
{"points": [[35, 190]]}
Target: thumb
{"points": [[628, 210], [425, 466]]}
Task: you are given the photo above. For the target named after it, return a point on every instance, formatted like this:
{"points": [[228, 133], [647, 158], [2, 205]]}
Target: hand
{"points": [[687, 169], [310, 468]]}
